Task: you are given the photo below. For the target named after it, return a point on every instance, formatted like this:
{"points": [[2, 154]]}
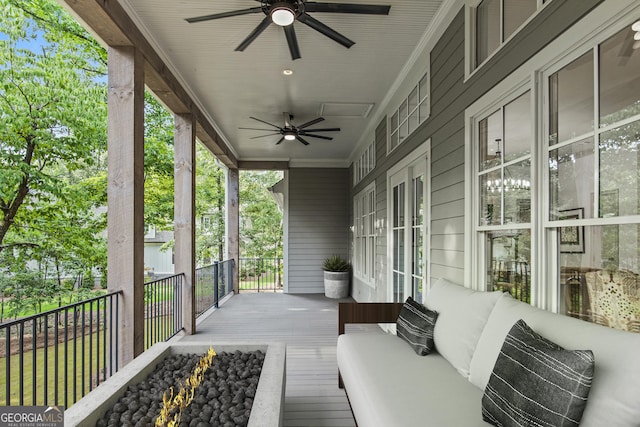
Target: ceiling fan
{"points": [[291, 132], [284, 13]]}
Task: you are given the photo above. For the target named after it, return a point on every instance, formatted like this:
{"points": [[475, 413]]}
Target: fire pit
{"points": [[267, 408]]}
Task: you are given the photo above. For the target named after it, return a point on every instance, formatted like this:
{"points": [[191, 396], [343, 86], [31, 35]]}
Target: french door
{"points": [[408, 230]]}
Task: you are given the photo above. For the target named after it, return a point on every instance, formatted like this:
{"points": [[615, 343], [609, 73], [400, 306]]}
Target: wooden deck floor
{"points": [[308, 325]]}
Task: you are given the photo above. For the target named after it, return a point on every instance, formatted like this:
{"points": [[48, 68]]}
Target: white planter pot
{"points": [[336, 284]]}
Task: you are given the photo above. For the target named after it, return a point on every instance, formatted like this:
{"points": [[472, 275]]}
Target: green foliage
{"points": [[52, 151], [336, 263], [158, 165], [210, 204], [260, 218]]}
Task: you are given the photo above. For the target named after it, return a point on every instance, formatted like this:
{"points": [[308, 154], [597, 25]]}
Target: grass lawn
{"points": [[49, 305], [67, 357]]}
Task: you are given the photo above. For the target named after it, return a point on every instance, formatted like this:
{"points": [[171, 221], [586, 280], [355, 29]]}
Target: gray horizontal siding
{"points": [[318, 224]]}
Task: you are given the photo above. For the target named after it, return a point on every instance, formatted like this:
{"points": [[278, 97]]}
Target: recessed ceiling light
{"points": [[287, 72], [636, 26]]}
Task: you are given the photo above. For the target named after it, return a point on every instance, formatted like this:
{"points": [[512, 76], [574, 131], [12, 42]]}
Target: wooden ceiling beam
{"points": [[111, 23]]}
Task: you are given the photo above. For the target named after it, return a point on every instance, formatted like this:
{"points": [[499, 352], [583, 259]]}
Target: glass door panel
{"points": [[399, 230]]}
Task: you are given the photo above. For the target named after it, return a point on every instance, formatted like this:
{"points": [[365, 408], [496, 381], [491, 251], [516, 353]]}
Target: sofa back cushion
{"points": [[462, 314], [613, 399]]}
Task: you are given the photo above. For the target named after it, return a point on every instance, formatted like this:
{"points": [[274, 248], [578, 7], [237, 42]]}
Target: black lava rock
{"points": [[224, 397]]}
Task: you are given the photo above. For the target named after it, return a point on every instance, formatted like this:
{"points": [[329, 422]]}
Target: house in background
{"points": [[158, 260], [494, 143]]}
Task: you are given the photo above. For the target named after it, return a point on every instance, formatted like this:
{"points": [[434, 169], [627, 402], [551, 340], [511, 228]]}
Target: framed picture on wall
{"points": [[572, 238]]}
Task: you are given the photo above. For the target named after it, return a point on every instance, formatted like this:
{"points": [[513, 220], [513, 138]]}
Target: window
{"points": [[365, 163], [497, 20], [593, 176], [412, 111], [364, 234], [504, 141], [555, 178]]}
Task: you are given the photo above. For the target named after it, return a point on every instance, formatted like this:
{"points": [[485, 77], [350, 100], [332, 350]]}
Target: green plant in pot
{"points": [[337, 272]]}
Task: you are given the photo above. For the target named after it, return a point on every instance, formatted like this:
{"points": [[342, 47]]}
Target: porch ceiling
{"points": [[230, 86]]}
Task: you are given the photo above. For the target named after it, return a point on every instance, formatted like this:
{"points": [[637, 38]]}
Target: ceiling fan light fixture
{"points": [[282, 14], [289, 135]]}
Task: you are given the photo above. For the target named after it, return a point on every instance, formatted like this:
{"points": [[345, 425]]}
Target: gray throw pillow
{"points": [[415, 325], [537, 382]]}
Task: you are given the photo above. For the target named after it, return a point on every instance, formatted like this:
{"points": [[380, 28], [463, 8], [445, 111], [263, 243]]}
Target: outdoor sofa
{"points": [[388, 384]]}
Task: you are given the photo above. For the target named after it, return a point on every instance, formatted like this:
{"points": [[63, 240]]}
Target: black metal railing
{"points": [[260, 274], [163, 309], [213, 282], [56, 357]]}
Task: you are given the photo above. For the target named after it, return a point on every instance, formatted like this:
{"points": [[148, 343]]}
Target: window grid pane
{"points": [[598, 265], [412, 111], [508, 261]]}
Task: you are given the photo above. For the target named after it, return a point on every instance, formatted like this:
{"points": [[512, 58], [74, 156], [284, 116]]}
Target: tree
{"points": [[158, 165], [52, 147], [261, 219], [210, 217], [52, 113]]}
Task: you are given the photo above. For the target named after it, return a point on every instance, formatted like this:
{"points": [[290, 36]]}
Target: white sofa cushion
{"points": [[388, 384], [614, 397], [462, 314]]}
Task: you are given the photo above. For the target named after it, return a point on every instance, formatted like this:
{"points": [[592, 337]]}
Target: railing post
{"points": [[231, 285], [215, 285]]}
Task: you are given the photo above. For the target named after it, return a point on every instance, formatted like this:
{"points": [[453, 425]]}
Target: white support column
{"points": [[184, 214], [233, 223], [125, 196]]}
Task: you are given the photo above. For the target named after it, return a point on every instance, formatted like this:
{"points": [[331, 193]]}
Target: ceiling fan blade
{"points": [[280, 140], [318, 136], [321, 130], [224, 15], [254, 34], [266, 123], [256, 129], [370, 9], [292, 41], [311, 122], [305, 18], [268, 134], [299, 138]]}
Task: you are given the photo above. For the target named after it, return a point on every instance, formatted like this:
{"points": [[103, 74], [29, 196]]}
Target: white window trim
{"points": [[370, 277], [602, 23], [420, 154], [470, 68]]}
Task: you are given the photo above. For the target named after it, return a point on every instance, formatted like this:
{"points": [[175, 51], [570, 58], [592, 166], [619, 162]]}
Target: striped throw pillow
{"points": [[535, 382], [415, 325]]}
